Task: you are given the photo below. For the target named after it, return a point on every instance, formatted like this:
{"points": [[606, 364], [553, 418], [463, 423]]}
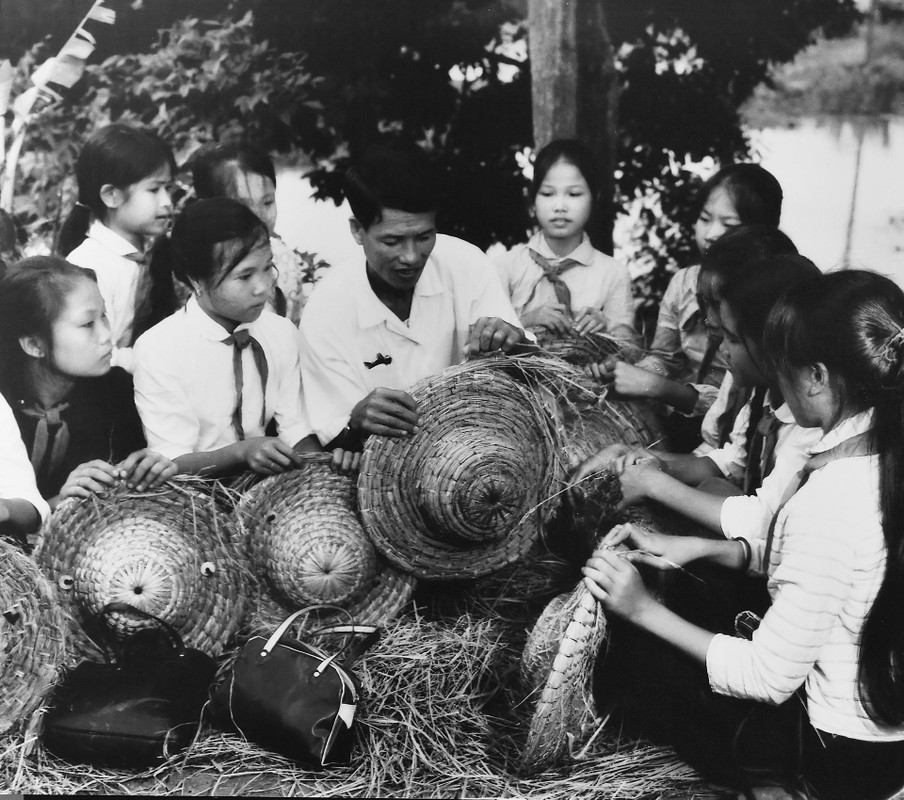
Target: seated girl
{"points": [[211, 378], [687, 364], [765, 442], [816, 695], [558, 280], [75, 413]]}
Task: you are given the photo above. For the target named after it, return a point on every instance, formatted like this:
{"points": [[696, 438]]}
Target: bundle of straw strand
{"points": [[557, 665]]}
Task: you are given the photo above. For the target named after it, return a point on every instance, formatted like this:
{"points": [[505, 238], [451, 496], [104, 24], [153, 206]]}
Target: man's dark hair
{"points": [[390, 176]]}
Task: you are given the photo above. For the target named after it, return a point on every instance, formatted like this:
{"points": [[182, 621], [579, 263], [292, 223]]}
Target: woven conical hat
{"points": [[586, 348], [170, 552], [307, 547], [32, 636], [459, 499], [557, 666]]}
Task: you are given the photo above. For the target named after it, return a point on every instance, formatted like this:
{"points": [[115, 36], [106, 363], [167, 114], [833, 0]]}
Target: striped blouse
{"points": [[826, 565]]}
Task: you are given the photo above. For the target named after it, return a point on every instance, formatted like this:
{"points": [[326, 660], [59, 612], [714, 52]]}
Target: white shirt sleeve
{"points": [[813, 579], [490, 298], [618, 305], [17, 478], [329, 381], [171, 426], [731, 458]]}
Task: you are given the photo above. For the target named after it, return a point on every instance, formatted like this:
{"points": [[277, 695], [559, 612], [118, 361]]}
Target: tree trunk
{"points": [[575, 90]]}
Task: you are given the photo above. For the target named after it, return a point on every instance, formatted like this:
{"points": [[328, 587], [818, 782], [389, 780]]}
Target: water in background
{"points": [[815, 162], [835, 212]]}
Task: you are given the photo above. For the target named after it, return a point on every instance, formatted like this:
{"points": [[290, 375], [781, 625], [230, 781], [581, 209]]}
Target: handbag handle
{"points": [[287, 622], [111, 647], [370, 636]]}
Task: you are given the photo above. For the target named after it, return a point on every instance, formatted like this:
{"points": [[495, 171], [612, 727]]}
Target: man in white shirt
{"points": [[416, 303]]}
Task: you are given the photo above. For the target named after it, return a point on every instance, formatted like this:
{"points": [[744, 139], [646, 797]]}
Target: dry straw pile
{"points": [[440, 719]]}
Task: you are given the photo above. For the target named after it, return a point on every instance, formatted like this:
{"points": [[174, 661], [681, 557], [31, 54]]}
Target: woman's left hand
{"points": [[589, 320], [636, 481], [144, 469], [616, 584]]}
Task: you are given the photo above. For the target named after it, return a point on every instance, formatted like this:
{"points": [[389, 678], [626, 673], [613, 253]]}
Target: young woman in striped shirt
{"points": [[815, 698]]}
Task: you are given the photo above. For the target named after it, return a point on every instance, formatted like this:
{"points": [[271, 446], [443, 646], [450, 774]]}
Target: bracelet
{"points": [[748, 552]]}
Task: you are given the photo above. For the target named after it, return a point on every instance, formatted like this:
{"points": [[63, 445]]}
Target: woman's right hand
{"points": [[554, 317], [269, 455], [602, 372], [90, 478], [631, 381], [660, 550], [637, 456], [600, 461]]}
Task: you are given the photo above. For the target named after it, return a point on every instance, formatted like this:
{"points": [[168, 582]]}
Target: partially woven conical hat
{"points": [[591, 425], [307, 547], [172, 552], [585, 348], [557, 666], [32, 637], [459, 499]]}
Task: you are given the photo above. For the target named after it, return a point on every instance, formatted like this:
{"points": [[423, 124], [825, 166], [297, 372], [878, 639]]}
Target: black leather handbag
{"points": [[294, 698], [137, 709]]}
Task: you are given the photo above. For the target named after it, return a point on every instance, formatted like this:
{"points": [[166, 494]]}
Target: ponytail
{"points": [[162, 299], [74, 229], [853, 322]]}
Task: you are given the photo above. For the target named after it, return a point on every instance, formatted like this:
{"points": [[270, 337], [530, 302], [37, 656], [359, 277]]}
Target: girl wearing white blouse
{"points": [[817, 693], [211, 378]]}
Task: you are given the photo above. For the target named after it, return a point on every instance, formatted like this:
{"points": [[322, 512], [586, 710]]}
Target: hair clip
{"points": [[891, 350]]}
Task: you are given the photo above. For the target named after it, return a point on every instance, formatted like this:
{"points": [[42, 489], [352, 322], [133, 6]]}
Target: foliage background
{"points": [[324, 77]]}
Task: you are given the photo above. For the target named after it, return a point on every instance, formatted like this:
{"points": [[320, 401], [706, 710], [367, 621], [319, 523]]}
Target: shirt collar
{"points": [[582, 254], [846, 429], [110, 239], [204, 325], [372, 311], [782, 413]]}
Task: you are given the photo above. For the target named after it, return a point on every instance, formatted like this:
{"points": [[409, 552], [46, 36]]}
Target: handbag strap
{"points": [[97, 629], [370, 635], [287, 623]]}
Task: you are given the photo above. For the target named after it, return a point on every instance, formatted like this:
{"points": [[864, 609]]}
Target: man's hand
{"points": [[386, 412], [489, 334]]}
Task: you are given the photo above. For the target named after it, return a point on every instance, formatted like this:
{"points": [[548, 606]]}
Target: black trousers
{"points": [[653, 690]]}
